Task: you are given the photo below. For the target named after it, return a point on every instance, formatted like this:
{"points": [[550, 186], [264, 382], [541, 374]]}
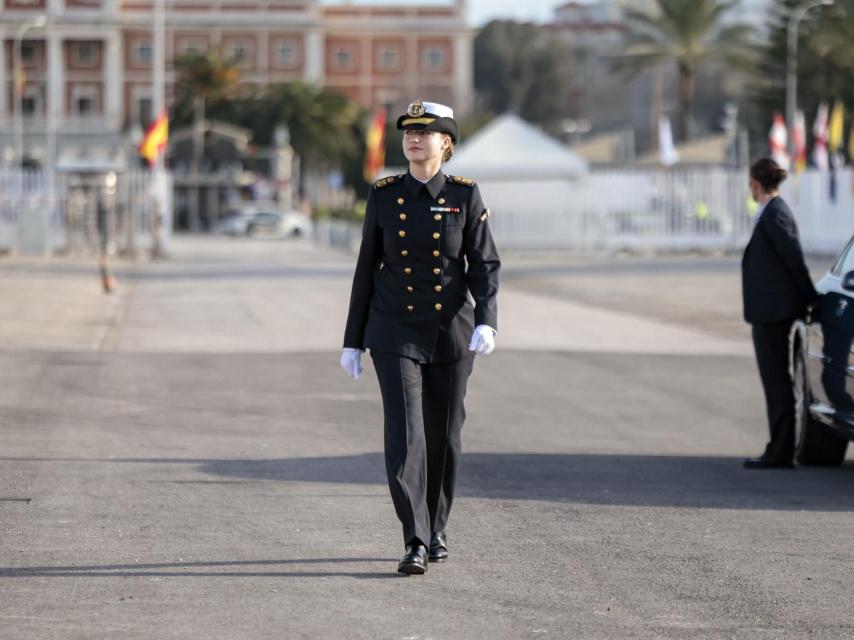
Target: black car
{"points": [[823, 368]]}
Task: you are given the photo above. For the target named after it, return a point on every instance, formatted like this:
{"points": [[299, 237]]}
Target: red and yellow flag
{"points": [[155, 139], [375, 146]]}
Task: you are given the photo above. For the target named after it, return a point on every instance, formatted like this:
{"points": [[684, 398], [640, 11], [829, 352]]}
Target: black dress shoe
{"points": [[438, 547], [414, 561], [762, 463]]}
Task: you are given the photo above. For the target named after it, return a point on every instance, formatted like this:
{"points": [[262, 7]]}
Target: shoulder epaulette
{"points": [[460, 180], [384, 182]]}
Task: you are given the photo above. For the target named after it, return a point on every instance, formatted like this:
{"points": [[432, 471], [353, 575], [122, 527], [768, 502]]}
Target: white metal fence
{"points": [[655, 210], [80, 213]]}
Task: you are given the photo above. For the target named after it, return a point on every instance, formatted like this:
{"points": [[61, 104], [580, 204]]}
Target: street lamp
{"points": [[792, 62], [35, 23]]}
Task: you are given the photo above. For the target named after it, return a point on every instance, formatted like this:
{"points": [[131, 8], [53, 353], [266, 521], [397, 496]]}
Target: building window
{"points": [[29, 105], [238, 53], [28, 52], [84, 53], [343, 58], [434, 59], [84, 101], [84, 105], [143, 53], [286, 53], [388, 58], [144, 111]]}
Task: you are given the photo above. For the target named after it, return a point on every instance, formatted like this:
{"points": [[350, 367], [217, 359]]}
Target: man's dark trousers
{"points": [[424, 415], [771, 343]]}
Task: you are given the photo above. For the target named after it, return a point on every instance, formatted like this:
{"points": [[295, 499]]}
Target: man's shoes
{"points": [[762, 463], [415, 560], [438, 547]]}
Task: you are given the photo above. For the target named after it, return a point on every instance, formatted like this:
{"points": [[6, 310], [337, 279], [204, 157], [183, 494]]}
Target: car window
{"points": [[266, 218], [845, 263]]}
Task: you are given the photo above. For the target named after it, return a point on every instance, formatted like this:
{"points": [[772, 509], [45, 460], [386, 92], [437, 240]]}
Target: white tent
{"points": [[530, 181], [509, 148]]}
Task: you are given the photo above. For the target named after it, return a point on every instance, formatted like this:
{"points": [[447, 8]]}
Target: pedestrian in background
{"points": [[426, 245], [776, 290]]}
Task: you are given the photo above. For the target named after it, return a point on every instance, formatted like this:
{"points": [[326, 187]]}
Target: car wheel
{"points": [[815, 444]]}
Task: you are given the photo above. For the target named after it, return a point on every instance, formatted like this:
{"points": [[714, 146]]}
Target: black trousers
{"points": [[424, 415], [771, 343]]}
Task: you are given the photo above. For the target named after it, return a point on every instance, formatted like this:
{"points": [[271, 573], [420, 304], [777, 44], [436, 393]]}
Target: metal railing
{"points": [[83, 213], [705, 209]]}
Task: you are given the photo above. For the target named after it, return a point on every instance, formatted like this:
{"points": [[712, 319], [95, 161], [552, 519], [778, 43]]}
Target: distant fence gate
{"points": [[651, 210], [73, 212]]}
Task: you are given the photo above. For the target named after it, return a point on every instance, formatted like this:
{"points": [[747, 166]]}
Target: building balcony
{"points": [[73, 124]]}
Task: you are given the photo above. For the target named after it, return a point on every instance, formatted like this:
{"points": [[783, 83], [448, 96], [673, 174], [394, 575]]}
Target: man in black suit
{"points": [[777, 289]]}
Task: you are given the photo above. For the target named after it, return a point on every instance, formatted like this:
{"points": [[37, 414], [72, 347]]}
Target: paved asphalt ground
{"points": [[185, 459]]}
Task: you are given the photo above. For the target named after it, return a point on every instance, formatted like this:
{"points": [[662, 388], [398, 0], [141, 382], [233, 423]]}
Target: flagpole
{"points": [[40, 21], [792, 63], [158, 80]]}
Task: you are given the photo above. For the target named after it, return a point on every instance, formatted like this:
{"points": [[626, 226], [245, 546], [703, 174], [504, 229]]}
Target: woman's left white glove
{"points": [[351, 362], [483, 340]]}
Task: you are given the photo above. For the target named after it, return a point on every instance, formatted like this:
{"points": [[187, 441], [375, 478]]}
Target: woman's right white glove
{"points": [[351, 362]]}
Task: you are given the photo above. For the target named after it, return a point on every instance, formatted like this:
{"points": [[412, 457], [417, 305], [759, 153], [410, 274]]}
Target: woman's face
{"points": [[756, 190], [420, 145]]}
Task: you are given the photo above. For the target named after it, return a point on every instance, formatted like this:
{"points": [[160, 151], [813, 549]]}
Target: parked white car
{"points": [[266, 219]]}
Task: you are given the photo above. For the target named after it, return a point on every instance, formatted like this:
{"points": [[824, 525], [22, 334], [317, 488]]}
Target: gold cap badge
{"points": [[416, 109]]}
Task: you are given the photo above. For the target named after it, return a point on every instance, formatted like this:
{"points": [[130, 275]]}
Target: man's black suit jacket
{"points": [[776, 283]]}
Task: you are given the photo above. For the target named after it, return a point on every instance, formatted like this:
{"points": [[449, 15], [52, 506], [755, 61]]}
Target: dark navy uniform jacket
{"points": [[776, 283], [425, 247]]}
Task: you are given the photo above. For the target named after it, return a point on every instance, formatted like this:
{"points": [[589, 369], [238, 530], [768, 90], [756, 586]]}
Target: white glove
{"points": [[351, 362], [483, 340]]}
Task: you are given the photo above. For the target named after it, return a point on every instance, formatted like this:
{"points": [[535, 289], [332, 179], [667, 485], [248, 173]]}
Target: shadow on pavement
{"points": [[160, 570], [620, 480], [596, 479]]}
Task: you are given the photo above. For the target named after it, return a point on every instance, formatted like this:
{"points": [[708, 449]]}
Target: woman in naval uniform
{"points": [[426, 245]]}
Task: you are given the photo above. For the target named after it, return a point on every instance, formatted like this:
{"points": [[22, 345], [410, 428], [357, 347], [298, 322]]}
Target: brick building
{"points": [[90, 66]]}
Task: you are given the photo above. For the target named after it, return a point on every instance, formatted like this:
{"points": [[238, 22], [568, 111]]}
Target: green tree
{"points": [[825, 64], [689, 35], [326, 128], [204, 80], [521, 68]]}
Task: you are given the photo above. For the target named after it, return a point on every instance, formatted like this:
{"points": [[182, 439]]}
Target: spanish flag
{"points": [[375, 146], [155, 139]]}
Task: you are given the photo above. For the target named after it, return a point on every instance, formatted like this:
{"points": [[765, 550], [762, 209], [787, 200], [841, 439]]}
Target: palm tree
{"points": [[690, 34], [833, 36], [202, 79]]}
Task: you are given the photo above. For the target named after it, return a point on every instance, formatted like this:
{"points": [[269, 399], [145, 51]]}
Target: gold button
{"points": [[436, 236], [441, 201], [438, 307], [402, 234], [400, 201], [438, 288], [404, 253], [437, 217], [407, 270], [436, 253], [410, 289], [437, 271], [403, 216], [409, 307]]}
